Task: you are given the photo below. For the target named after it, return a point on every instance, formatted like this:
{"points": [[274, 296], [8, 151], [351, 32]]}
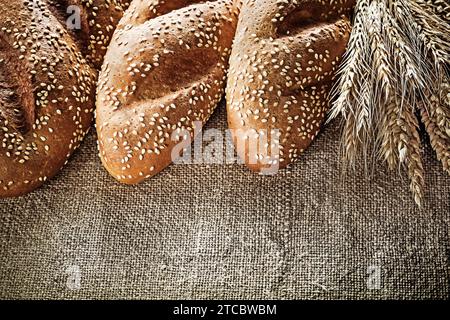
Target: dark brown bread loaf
{"points": [[98, 18], [47, 87], [164, 70], [281, 70]]}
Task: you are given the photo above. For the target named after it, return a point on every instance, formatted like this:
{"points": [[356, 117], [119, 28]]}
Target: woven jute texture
{"points": [[220, 231]]}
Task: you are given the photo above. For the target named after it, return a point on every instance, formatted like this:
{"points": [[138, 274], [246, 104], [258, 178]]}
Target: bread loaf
{"points": [[47, 87], [164, 73], [281, 70]]}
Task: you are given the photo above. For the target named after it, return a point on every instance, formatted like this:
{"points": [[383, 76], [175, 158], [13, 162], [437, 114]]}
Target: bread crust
{"points": [[47, 89], [281, 69], [99, 19], [163, 76]]}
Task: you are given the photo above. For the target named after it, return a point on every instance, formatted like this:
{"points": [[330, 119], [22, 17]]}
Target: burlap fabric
{"points": [[220, 231]]}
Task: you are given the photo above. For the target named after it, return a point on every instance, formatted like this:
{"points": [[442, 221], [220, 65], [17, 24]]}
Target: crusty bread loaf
{"points": [[47, 87], [281, 70], [164, 71]]}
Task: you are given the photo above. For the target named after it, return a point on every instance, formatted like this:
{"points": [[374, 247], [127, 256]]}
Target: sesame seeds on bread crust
{"points": [[164, 73], [103, 17], [47, 91], [282, 65], [98, 20]]}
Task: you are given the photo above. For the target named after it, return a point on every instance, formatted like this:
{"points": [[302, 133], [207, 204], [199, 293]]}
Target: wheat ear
{"points": [[351, 83], [350, 71], [436, 118], [439, 7]]}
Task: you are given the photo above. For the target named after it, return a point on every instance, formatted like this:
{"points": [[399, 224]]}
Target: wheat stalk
{"points": [[432, 31], [410, 144], [351, 83], [381, 63], [352, 67], [435, 116], [408, 67], [396, 65]]}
